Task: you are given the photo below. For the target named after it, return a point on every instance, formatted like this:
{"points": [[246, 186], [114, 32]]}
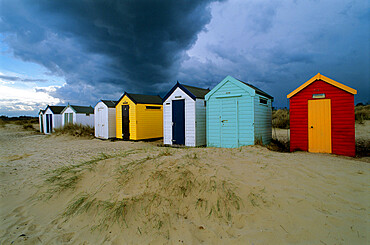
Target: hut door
{"points": [[100, 123], [125, 122], [42, 123], [319, 126], [228, 121], [49, 123], [178, 122]]}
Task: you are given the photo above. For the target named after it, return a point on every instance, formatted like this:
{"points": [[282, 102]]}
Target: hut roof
{"points": [[80, 109], [258, 91], [110, 103], [325, 79], [142, 98], [193, 92], [55, 109]]}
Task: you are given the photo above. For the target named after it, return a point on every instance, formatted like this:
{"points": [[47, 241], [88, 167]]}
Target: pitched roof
{"points": [[110, 103], [55, 109], [82, 109], [41, 111], [258, 91], [198, 92], [142, 98], [193, 92], [325, 79]]}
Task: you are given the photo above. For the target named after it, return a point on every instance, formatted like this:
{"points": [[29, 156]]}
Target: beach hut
{"points": [[238, 114], [184, 116], [139, 116], [322, 117], [41, 120], [52, 118], [75, 114], [105, 119]]}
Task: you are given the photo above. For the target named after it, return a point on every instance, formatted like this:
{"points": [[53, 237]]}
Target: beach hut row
{"points": [[232, 114], [58, 116]]}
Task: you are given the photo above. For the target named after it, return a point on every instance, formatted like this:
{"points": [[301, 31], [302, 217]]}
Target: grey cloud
{"points": [[15, 79]]}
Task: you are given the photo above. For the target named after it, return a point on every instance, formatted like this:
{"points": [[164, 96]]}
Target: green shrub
{"points": [[280, 118], [78, 130]]}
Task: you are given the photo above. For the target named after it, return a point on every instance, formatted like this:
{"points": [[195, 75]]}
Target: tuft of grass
{"points": [[279, 145], [363, 148], [28, 126], [77, 130]]}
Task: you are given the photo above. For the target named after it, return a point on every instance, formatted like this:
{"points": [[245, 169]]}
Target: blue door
{"points": [[49, 123], [229, 123], [178, 122]]}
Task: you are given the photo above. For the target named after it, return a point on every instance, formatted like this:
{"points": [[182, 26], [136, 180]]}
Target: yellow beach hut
{"points": [[139, 116]]}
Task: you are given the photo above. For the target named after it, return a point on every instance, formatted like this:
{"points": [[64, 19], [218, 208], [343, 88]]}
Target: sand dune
{"points": [[63, 190]]}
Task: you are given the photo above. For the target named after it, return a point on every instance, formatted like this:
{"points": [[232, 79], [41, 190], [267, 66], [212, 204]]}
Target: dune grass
{"points": [[77, 130], [168, 187]]}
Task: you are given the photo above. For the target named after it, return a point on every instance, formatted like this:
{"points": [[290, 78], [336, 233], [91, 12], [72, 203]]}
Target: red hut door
{"points": [[319, 126]]}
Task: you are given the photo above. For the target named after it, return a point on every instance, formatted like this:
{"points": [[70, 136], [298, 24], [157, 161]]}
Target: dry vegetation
{"points": [[146, 185], [362, 113], [75, 130]]}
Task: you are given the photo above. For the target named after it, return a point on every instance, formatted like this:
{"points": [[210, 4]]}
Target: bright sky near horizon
{"points": [[78, 52]]}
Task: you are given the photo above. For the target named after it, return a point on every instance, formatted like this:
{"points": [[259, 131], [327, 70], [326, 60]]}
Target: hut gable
{"points": [[320, 77], [238, 113], [336, 123]]}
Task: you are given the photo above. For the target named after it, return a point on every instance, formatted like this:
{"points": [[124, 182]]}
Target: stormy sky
{"points": [[78, 52]]}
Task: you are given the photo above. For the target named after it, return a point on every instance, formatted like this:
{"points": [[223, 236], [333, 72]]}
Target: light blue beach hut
{"points": [[238, 114]]}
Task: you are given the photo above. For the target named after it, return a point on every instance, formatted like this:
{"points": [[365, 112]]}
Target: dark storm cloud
{"points": [[131, 45]]}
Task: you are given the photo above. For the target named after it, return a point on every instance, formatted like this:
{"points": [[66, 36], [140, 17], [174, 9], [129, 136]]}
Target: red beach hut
{"points": [[322, 117]]}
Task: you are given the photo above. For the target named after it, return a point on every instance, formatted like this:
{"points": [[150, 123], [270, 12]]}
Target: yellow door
{"points": [[319, 126]]}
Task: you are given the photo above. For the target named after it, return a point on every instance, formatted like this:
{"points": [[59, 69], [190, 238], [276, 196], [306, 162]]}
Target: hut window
{"points": [[318, 96], [87, 114], [168, 103], [153, 107], [263, 101], [205, 103]]}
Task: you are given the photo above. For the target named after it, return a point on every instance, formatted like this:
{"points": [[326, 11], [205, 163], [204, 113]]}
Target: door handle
{"points": [[311, 126], [224, 121]]}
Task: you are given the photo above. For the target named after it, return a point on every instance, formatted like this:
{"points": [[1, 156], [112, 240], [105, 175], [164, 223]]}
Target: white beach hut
{"points": [[184, 116], [105, 119], [41, 120], [52, 118], [75, 114]]}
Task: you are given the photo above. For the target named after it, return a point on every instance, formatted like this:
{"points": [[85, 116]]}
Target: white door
{"points": [[100, 123]]}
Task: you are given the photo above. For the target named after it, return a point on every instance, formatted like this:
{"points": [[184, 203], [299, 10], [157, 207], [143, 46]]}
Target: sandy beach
{"points": [[65, 190]]}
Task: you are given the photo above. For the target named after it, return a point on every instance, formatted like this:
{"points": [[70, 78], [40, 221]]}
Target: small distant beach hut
{"points": [[75, 114], [105, 119], [139, 117], [322, 117], [52, 118], [238, 114], [184, 116], [41, 120]]}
